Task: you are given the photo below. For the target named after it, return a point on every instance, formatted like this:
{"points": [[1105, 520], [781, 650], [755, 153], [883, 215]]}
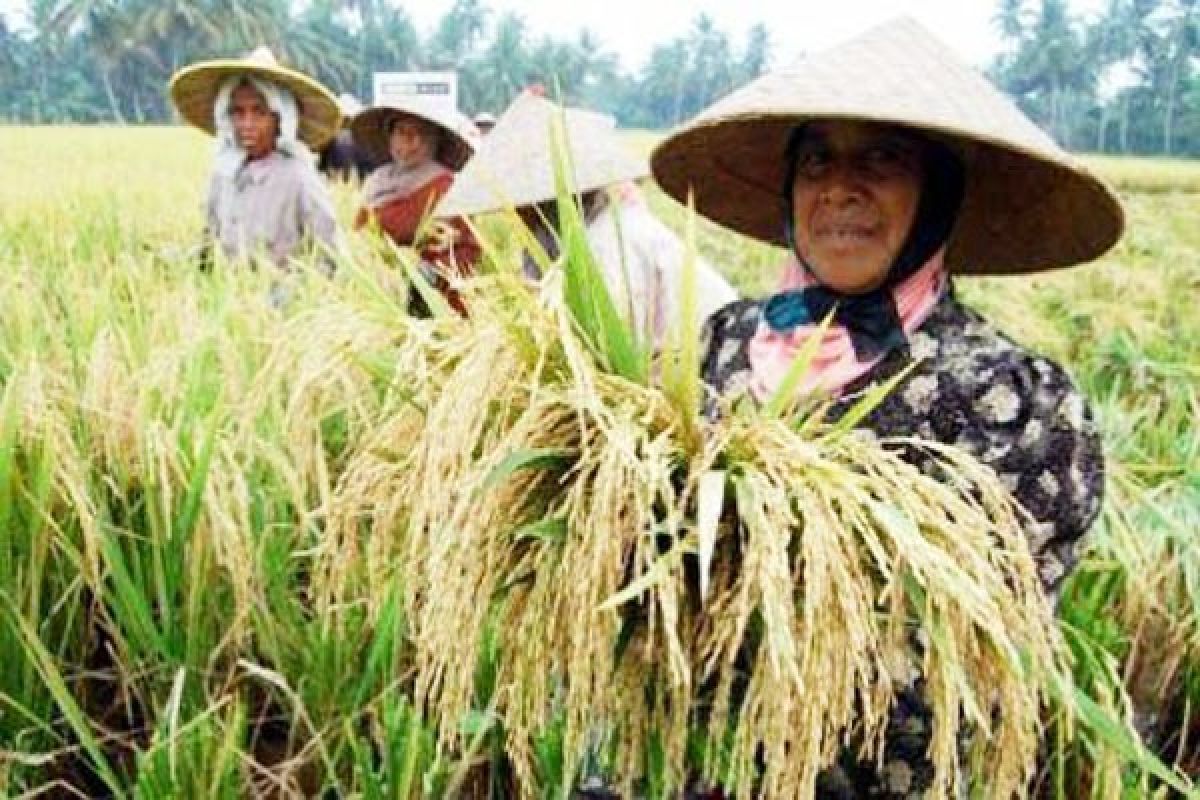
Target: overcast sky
{"points": [[632, 27]]}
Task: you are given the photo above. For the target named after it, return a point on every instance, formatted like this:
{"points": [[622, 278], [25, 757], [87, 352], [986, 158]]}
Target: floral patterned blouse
{"points": [[1015, 411]]}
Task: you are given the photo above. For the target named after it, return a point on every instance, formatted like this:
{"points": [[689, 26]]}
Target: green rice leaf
{"points": [[53, 679], [611, 338], [550, 530], [537, 458]]}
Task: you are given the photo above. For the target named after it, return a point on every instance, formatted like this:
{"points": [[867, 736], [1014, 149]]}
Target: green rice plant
{"points": [[198, 757]]}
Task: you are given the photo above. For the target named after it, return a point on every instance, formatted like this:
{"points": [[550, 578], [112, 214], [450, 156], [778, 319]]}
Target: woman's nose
{"points": [[841, 184]]}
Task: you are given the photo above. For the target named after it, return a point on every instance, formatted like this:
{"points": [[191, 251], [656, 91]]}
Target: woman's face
{"points": [[254, 124], [411, 142], [854, 198]]}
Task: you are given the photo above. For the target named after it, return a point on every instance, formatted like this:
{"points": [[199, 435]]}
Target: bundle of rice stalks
{"points": [[738, 598]]}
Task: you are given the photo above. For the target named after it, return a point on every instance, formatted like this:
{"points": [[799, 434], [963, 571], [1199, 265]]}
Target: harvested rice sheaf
{"points": [[763, 588]]}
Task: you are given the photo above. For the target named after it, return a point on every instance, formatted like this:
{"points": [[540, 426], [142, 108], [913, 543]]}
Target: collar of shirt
{"points": [[256, 172]]}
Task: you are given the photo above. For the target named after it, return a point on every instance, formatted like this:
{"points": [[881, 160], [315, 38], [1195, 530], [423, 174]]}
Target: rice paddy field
{"points": [[325, 550]]}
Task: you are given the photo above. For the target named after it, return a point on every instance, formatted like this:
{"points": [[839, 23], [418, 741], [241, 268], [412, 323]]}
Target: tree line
{"points": [[1126, 80], [109, 60]]}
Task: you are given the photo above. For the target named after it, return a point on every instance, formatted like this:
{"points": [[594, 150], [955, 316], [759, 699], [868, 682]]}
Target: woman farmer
{"points": [[886, 167], [421, 149], [265, 198], [642, 260]]}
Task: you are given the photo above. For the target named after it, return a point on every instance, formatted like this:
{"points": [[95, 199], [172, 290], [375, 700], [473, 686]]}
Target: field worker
{"points": [[886, 167], [642, 259], [421, 147], [265, 198], [341, 158]]}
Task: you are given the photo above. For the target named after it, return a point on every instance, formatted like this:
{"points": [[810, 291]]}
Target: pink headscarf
{"points": [[835, 364]]}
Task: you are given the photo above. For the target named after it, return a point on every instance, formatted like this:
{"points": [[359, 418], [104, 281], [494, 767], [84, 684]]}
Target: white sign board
{"points": [[433, 90]]}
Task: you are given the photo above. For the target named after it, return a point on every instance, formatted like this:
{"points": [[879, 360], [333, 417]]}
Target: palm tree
{"points": [[1111, 41], [1182, 43], [654, 101], [757, 55], [1010, 18], [457, 34], [504, 67]]}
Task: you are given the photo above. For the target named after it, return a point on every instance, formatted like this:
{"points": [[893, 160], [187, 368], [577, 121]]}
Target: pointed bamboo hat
{"points": [[194, 92], [514, 165], [370, 129], [1028, 204]]}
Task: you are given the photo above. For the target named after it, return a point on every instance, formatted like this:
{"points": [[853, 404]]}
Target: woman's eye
{"points": [[886, 159], [882, 155]]}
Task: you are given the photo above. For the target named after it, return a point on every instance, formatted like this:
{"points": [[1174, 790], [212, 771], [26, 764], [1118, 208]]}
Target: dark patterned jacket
{"points": [[1015, 411]]}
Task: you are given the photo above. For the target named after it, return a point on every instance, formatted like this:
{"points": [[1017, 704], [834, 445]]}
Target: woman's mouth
{"points": [[845, 233]]}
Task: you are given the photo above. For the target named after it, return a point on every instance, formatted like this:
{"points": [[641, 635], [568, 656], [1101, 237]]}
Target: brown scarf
{"points": [[393, 180]]}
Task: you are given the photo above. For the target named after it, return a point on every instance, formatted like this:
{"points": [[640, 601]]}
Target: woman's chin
{"points": [[850, 271]]}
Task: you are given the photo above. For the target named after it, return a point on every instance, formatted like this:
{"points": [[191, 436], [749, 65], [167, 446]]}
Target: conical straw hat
{"points": [[370, 131], [1028, 204], [514, 165], [194, 92]]}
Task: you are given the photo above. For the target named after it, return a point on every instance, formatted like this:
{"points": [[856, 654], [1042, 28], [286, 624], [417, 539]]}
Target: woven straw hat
{"points": [[1028, 204], [514, 165], [194, 92], [370, 131]]}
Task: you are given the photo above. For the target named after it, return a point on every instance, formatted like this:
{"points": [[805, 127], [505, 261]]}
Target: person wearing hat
{"points": [[341, 158], [265, 197], [887, 167], [641, 258], [422, 149]]}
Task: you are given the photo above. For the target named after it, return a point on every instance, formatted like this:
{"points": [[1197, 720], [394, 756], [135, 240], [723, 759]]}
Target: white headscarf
{"points": [[230, 155]]}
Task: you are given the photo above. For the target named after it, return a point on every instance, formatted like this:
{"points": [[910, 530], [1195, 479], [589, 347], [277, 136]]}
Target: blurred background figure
{"points": [[641, 258], [265, 199], [422, 147]]}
